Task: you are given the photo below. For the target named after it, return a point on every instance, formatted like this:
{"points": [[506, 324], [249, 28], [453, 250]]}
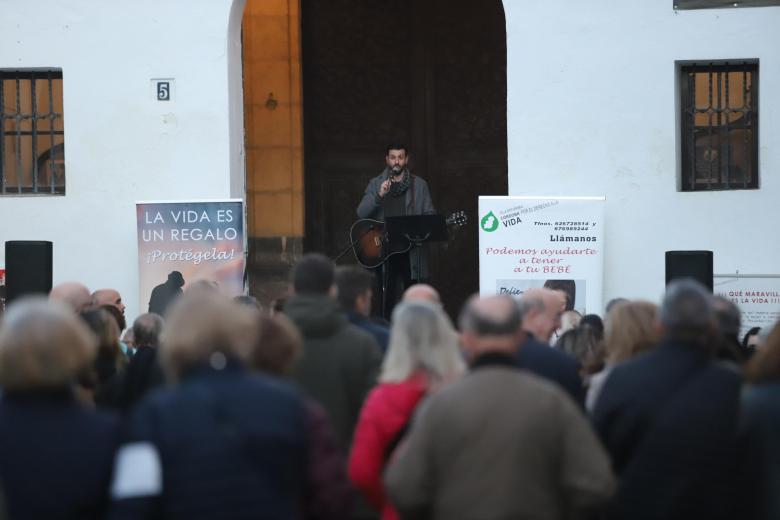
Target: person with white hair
{"points": [[55, 453], [422, 292], [423, 356], [540, 311]]}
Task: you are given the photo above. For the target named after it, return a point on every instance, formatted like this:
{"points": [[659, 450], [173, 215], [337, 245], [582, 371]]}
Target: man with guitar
{"points": [[397, 192]]}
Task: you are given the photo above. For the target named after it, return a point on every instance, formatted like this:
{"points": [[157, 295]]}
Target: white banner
{"points": [[758, 297], [555, 242]]}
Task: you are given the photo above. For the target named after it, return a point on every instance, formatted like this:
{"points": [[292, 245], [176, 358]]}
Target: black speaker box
{"points": [[27, 268], [690, 264]]}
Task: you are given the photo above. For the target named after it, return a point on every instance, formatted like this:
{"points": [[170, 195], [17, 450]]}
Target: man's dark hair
{"points": [[352, 281], [728, 316], [471, 319], [595, 323], [396, 146], [146, 330], [567, 286], [754, 331], [175, 279], [313, 274], [117, 315], [614, 301]]}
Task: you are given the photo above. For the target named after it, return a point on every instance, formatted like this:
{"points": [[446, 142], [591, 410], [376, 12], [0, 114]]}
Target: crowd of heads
{"points": [[74, 339]]}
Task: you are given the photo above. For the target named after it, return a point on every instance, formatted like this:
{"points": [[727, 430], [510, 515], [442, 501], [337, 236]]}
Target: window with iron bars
{"points": [[719, 125], [32, 149]]}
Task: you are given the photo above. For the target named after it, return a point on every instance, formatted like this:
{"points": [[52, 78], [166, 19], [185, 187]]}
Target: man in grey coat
{"points": [[340, 362], [394, 193], [500, 442]]}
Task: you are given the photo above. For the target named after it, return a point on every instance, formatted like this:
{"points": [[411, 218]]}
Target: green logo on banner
{"points": [[489, 222]]}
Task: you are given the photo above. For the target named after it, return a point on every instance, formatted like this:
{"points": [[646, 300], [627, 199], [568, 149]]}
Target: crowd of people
{"points": [[313, 409]]}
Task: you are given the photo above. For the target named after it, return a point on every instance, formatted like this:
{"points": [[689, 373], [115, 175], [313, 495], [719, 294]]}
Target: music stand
{"points": [[415, 230]]}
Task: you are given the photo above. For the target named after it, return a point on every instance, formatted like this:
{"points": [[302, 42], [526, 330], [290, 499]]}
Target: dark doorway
{"points": [[431, 73]]}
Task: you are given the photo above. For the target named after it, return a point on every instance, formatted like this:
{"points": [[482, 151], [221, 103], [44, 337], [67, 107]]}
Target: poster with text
{"points": [[553, 242], [758, 297], [180, 243]]}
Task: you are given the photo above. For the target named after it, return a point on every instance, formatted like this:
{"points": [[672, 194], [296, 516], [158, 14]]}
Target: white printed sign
{"points": [[758, 297], [554, 242]]}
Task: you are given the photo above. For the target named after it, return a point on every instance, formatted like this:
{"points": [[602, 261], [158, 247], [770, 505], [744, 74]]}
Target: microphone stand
{"points": [[418, 242]]}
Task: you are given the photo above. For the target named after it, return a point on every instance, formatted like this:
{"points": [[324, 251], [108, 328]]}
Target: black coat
{"points": [[163, 296], [380, 332], [229, 445], [143, 373], [55, 457], [669, 420], [553, 365]]}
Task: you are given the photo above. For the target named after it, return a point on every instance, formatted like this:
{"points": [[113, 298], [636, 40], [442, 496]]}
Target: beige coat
{"points": [[499, 444]]}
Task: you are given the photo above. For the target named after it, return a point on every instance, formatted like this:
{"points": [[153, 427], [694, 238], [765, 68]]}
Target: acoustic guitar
{"points": [[371, 246]]}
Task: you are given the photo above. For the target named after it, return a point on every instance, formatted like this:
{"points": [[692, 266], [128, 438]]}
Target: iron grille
{"points": [[719, 103], [32, 150]]}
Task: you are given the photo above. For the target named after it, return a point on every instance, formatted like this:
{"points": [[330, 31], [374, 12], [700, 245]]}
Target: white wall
{"points": [[591, 111], [121, 145]]}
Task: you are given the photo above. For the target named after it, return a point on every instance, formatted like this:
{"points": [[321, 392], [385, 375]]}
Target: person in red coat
{"points": [[422, 356]]}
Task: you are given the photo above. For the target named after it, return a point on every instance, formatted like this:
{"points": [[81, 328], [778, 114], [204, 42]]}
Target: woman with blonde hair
{"points": [[630, 329], [422, 356]]}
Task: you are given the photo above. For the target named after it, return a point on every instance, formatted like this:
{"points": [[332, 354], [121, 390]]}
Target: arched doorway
{"points": [[431, 73]]}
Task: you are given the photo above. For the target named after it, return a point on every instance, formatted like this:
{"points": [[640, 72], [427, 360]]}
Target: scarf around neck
{"points": [[399, 188]]}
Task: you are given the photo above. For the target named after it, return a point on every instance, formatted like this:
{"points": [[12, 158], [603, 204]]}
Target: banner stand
{"points": [[553, 242]]}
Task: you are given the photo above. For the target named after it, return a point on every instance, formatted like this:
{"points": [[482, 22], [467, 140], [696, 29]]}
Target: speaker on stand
{"points": [[690, 264], [28, 268]]}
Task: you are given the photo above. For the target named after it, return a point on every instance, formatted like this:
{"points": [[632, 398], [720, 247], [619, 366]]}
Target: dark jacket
{"points": [[229, 445], [669, 420], [761, 431], [553, 365], [142, 374], [163, 296], [340, 362], [329, 495], [380, 332], [55, 457], [109, 381]]}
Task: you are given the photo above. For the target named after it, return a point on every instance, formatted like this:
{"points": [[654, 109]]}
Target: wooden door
{"points": [[430, 73]]}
